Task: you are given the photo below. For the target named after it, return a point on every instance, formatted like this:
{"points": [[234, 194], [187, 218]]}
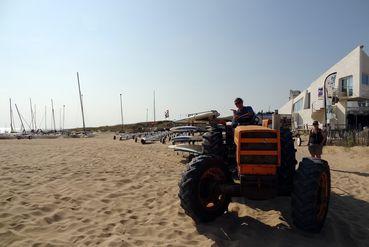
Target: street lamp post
{"points": [[325, 97]]}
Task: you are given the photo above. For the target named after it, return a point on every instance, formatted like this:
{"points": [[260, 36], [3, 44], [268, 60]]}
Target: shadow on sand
{"points": [[363, 174], [347, 224]]}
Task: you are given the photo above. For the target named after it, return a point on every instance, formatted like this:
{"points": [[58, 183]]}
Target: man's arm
{"points": [[235, 117], [324, 137], [249, 112]]}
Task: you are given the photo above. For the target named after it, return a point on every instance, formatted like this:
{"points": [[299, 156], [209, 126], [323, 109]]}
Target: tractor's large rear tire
{"points": [[199, 190], [311, 194], [286, 171], [213, 142]]}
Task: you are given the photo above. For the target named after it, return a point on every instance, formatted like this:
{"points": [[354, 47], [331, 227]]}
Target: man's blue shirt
{"points": [[244, 120]]}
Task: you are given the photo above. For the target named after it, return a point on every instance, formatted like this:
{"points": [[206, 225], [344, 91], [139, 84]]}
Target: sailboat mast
{"points": [[30, 105], [11, 116], [121, 111], [34, 117], [45, 119], [52, 110], [154, 108], [80, 98], [60, 119], [20, 118], [63, 116]]}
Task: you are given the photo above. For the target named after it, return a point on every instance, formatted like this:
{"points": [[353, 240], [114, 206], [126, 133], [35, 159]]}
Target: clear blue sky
{"points": [[197, 55]]}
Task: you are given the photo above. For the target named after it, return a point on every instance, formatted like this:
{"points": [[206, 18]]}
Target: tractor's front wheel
{"points": [[213, 142], [286, 171], [199, 189], [311, 194]]}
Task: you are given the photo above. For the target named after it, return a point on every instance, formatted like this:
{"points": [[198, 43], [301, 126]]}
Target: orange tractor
{"points": [[258, 163]]}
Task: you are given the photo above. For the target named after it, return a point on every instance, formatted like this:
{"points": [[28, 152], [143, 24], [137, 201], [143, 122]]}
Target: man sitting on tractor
{"points": [[244, 115]]}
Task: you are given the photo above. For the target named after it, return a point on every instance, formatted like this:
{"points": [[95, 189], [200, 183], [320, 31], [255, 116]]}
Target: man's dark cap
{"points": [[315, 123], [238, 100]]}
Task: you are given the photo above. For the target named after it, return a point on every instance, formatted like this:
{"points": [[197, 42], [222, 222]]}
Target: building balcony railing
{"points": [[317, 106], [358, 110]]}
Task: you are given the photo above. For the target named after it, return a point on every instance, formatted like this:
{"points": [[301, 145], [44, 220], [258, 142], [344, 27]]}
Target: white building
{"points": [[346, 82]]}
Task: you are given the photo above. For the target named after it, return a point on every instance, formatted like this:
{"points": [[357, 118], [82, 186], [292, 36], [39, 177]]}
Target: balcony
{"points": [[317, 106], [346, 95], [358, 110]]}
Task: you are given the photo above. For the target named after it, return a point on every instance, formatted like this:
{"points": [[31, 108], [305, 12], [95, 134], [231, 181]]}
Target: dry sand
{"points": [[100, 192]]}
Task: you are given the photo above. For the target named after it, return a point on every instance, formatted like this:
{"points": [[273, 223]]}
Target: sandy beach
{"points": [[100, 192]]}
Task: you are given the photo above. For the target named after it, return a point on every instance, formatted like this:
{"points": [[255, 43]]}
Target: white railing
{"points": [[317, 105], [358, 109]]}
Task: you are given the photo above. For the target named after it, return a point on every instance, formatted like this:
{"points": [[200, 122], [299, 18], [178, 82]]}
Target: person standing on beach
{"points": [[244, 115], [316, 141]]}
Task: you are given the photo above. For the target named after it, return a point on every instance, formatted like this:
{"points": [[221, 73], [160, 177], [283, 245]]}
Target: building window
{"points": [[297, 106], [365, 79], [346, 85], [363, 103]]}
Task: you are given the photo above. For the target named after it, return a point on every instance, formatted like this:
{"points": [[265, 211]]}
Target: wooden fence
{"points": [[348, 138]]}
